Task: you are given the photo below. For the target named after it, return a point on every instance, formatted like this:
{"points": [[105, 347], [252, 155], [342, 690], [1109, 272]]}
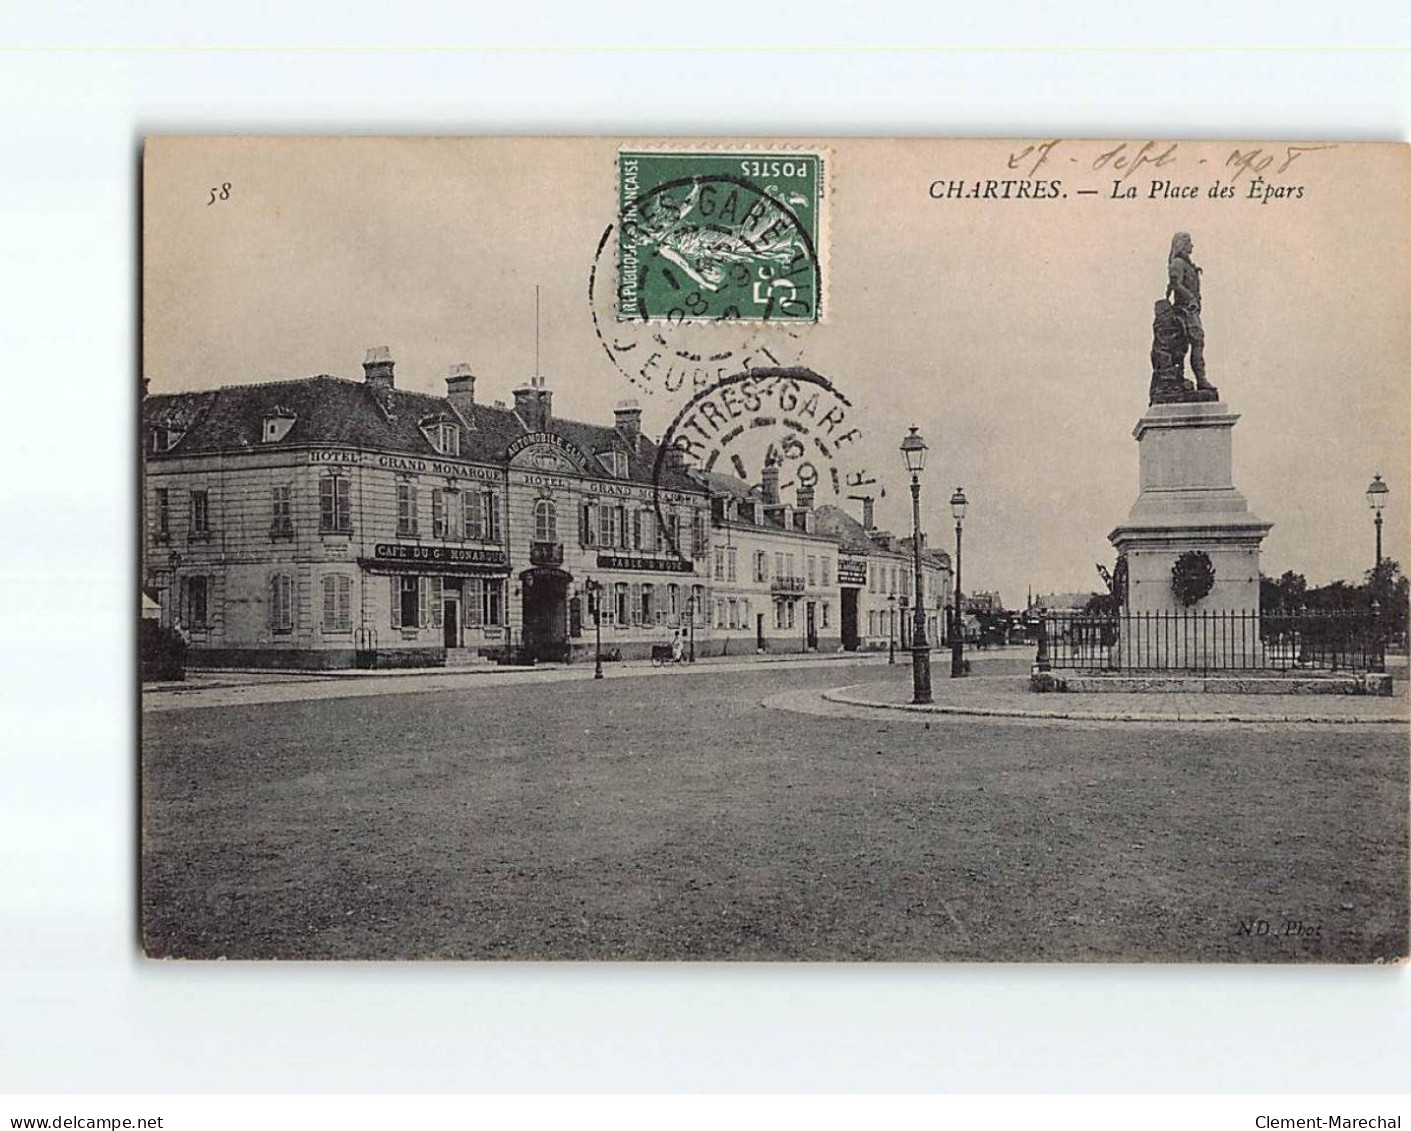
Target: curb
{"points": [[839, 695]]}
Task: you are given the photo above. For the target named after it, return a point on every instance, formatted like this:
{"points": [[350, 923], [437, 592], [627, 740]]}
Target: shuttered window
{"points": [[438, 514], [335, 515], [337, 603], [491, 502], [406, 508], [282, 512], [281, 603]]}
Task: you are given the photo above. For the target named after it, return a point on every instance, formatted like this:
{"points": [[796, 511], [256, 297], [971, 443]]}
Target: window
{"points": [[446, 439], [778, 614], [281, 603], [812, 571], [720, 612], [411, 599], [473, 504], [616, 463], [826, 614], [744, 613], [546, 523], [474, 590], [778, 565], [454, 513], [673, 600], [607, 526], [438, 513], [163, 500], [732, 613], [789, 566], [644, 534], [587, 525], [406, 508], [195, 611], [495, 601], [624, 534], [482, 516], [621, 611], [282, 519], [649, 609], [761, 567], [698, 604], [871, 577], [790, 606], [673, 531], [335, 515], [732, 563], [893, 588], [698, 533], [337, 603], [720, 563], [200, 515], [491, 505]]}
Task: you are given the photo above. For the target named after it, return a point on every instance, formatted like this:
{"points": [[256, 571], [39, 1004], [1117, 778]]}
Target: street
{"points": [[679, 817]]}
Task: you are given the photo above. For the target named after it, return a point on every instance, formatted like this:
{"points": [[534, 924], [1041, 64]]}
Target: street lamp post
{"points": [[913, 450], [594, 589], [1377, 499], [958, 503], [691, 605], [891, 628]]}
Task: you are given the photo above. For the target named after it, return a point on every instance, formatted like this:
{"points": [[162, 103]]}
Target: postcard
{"points": [[789, 549]]}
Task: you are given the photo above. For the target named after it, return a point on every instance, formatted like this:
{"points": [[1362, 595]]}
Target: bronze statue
{"points": [[1177, 328]]}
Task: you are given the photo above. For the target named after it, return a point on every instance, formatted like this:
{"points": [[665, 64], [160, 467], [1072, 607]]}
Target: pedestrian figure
{"points": [[678, 649]]}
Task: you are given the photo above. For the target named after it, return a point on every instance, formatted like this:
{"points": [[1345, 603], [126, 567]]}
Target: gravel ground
{"points": [[665, 818]]}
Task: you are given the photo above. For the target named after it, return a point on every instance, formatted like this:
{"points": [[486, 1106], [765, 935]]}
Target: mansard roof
{"points": [[338, 411]]}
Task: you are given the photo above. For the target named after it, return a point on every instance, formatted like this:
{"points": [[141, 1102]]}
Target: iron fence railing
{"points": [[1212, 641]]}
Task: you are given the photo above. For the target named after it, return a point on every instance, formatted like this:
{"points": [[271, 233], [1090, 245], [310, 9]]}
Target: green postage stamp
{"points": [[722, 236]]}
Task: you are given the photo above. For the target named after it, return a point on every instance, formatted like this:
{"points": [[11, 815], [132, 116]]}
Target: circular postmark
{"points": [[715, 275], [790, 419]]}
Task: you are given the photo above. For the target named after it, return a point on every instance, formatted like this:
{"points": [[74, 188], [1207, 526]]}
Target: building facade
{"points": [[774, 582]]}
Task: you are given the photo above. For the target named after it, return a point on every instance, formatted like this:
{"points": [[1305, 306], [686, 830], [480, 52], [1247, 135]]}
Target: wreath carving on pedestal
{"points": [[1192, 577]]}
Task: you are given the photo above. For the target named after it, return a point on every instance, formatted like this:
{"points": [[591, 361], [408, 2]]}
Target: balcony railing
{"points": [[546, 553], [787, 585], [1211, 641]]}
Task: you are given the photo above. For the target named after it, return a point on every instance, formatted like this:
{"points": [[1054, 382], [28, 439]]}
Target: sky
{"points": [[1014, 333]]}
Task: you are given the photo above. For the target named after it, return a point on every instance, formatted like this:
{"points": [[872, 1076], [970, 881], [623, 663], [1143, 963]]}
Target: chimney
{"points": [[628, 416], [533, 403], [769, 484], [377, 367], [460, 388], [868, 521], [805, 496]]}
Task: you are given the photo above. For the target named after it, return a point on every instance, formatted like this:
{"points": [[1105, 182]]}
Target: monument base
{"points": [[1188, 502]]}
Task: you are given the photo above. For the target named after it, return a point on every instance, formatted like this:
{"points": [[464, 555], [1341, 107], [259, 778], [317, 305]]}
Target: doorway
{"points": [[759, 632], [546, 613], [851, 639], [451, 619], [811, 627]]}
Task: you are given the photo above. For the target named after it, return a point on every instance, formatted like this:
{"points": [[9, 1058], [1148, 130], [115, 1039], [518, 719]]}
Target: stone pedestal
{"points": [[1188, 501]]}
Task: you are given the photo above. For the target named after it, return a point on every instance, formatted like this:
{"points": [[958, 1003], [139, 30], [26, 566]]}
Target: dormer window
{"points": [[443, 434], [164, 438], [277, 423], [615, 461]]}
